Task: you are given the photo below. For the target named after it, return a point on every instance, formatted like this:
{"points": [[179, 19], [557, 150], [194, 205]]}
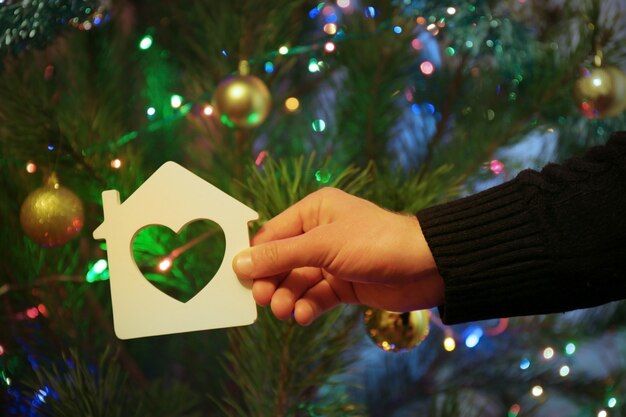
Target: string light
{"points": [[537, 391], [451, 11], [176, 101], [496, 166], [449, 344], [602, 413], [260, 157], [145, 42], [1, 350], [473, 337], [570, 348], [283, 50], [116, 163], [98, 271], [318, 125], [524, 364], [343, 3], [417, 44], [208, 110], [292, 104], [564, 371], [31, 167], [329, 47], [548, 353], [330, 28], [427, 68], [514, 410], [612, 402], [151, 112], [165, 264]]}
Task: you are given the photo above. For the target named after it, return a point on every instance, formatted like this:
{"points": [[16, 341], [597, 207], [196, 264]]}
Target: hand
{"points": [[332, 248]]}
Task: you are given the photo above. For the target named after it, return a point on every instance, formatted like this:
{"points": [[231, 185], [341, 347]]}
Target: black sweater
{"points": [[543, 242]]}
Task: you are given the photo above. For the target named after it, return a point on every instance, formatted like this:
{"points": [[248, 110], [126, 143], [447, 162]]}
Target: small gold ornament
{"points": [[242, 101], [397, 332], [601, 92], [52, 215]]}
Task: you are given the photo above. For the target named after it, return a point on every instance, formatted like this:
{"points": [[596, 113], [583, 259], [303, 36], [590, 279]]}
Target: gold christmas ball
{"points": [[242, 101], [397, 332], [52, 215], [601, 92]]}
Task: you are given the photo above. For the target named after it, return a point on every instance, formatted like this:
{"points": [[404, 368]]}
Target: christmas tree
{"points": [[405, 103]]}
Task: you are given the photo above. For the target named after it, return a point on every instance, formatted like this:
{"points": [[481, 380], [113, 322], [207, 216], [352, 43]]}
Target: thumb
{"points": [[279, 256]]}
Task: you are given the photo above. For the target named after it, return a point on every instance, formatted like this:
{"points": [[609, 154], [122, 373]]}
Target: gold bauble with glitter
{"points": [[397, 332], [601, 92], [52, 215], [242, 101]]}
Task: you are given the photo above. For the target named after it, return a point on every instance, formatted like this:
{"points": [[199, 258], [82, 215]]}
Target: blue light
{"points": [[331, 18], [415, 108], [431, 109], [473, 337], [370, 12], [224, 52], [50, 147], [397, 29], [269, 67], [314, 12], [524, 363]]}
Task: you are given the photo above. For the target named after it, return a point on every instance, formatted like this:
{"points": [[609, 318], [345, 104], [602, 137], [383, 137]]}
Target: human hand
{"points": [[331, 248]]}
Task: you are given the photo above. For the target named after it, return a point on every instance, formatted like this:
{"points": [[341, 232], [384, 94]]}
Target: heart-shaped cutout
{"points": [[180, 265]]}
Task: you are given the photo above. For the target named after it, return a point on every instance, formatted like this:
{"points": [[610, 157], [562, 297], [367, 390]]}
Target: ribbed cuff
{"points": [[489, 252]]}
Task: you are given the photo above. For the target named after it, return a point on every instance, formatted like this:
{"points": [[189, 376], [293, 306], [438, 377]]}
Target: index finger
{"points": [[295, 220]]}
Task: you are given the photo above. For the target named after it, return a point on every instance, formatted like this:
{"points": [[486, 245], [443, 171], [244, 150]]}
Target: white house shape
{"points": [[174, 197]]}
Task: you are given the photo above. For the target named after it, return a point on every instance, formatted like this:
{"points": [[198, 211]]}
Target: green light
{"points": [[489, 43], [472, 8], [145, 42], [612, 402], [253, 118], [450, 50], [323, 177], [570, 348], [98, 271], [176, 101], [225, 120], [318, 125]]}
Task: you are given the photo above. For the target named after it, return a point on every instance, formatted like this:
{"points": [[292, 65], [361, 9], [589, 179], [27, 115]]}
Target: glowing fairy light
{"points": [[165, 264], [612, 402], [474, 334], [548, 353], [496, 166], [570, 348], [343, 3], [451, 11], [602, 413], [330, 28], [564, 371], [208, 110], [292, 104], [1, 350], [176, 101], [260, 157], [283, 50], [151, 112], [31, 167], [427, 68], [145, 42], [449, 344], [318, 125], [397, 30], [537, 391], [313, 65], [329, 47], [514, 410], [98, 271], [116, 163], [524, 364], [417, 44]]}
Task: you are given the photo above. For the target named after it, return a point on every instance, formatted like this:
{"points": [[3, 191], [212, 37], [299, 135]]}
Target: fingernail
{"points": [[243, 263]]}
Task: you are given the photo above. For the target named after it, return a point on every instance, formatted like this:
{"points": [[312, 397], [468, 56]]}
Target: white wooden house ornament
{"points": [[174, 197]]}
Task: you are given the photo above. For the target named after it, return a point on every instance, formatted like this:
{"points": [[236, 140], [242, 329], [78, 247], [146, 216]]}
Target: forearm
{"points": [[544, 242]]}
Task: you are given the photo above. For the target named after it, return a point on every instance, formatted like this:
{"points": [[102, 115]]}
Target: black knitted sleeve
{"points": [[544, 242]]}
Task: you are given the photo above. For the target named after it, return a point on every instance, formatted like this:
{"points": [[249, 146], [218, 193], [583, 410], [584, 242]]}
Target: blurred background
{"points": [[406, 103]]}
